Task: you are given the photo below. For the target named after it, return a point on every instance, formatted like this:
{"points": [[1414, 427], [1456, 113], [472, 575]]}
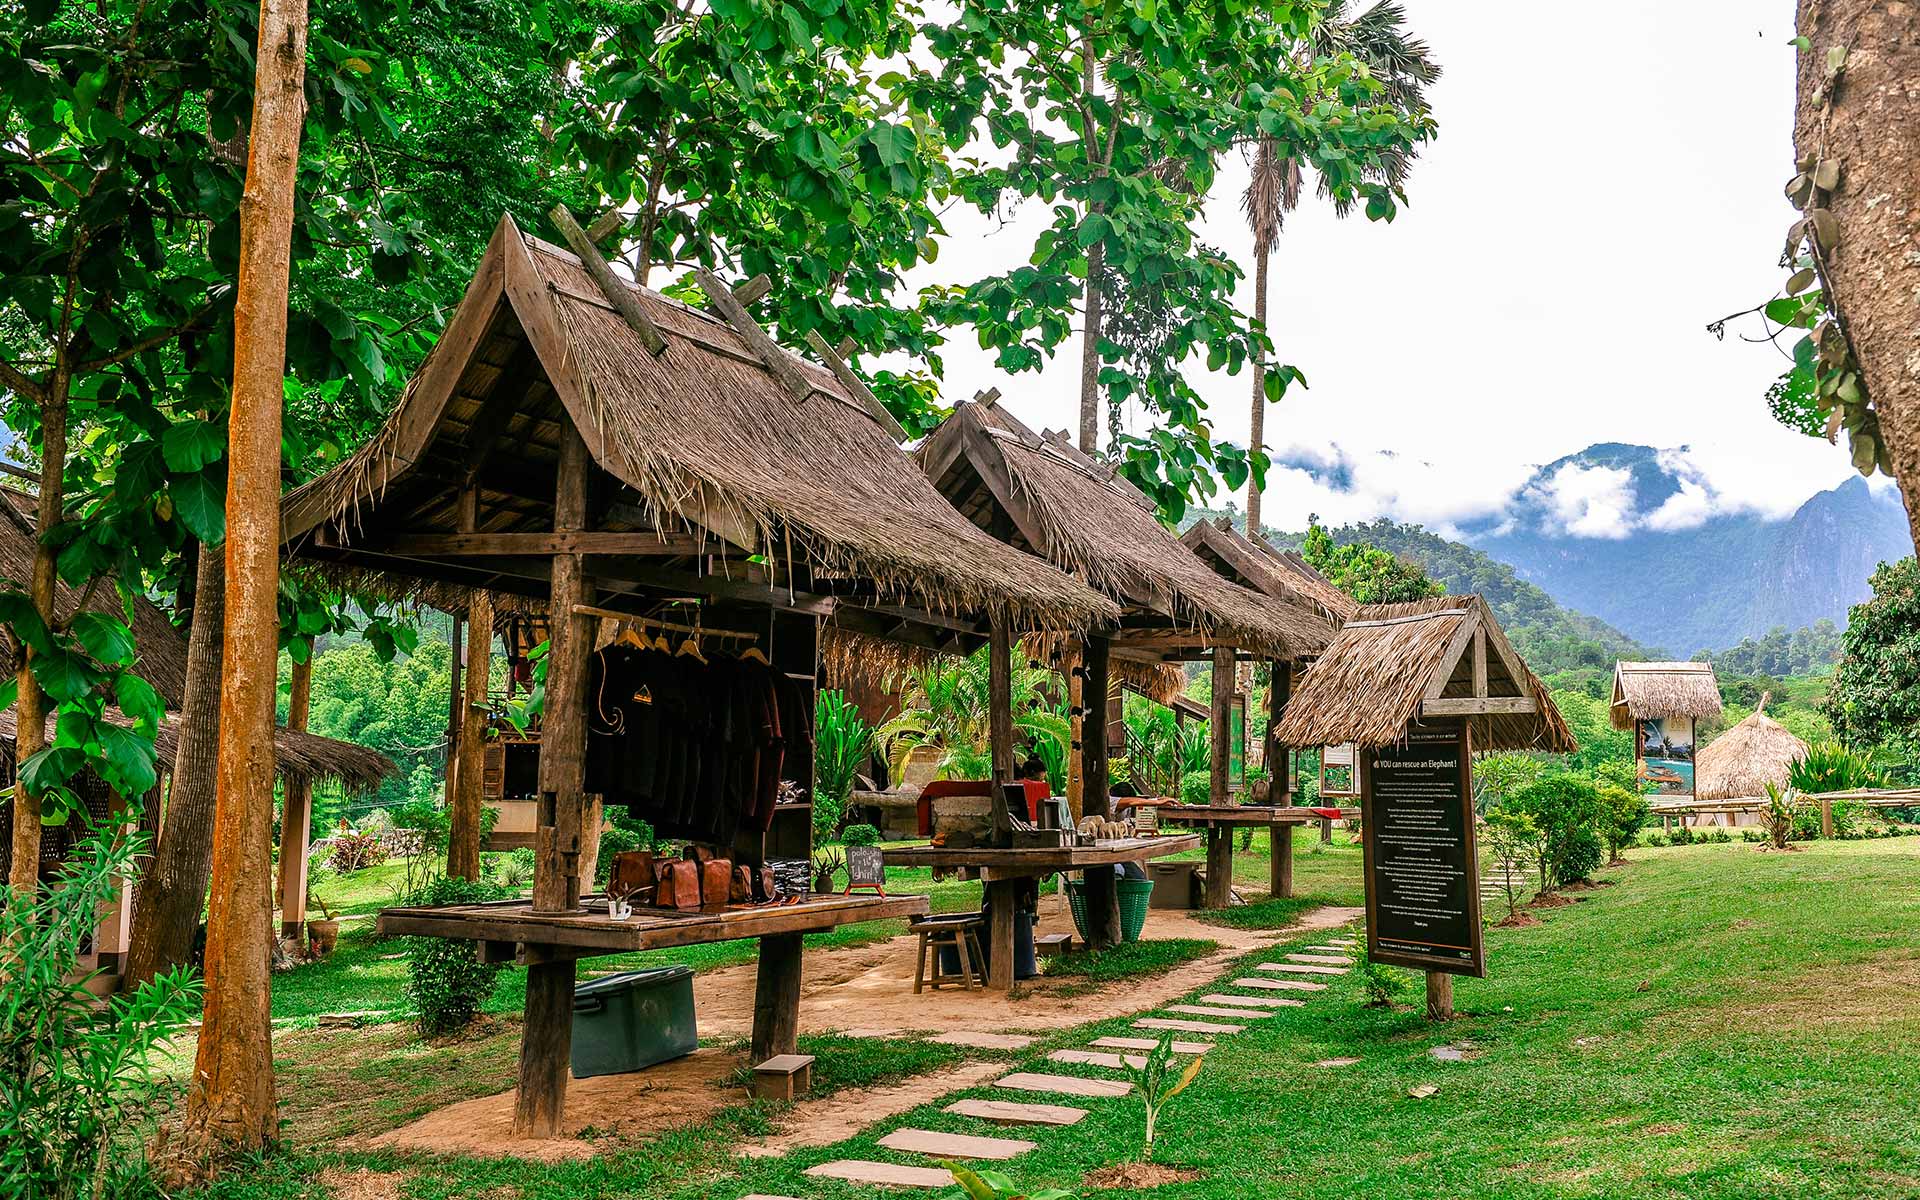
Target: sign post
{"points": [[1422, 867]]}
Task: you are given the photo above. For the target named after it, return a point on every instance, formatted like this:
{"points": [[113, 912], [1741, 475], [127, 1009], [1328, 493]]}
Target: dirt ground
{"points": [[867, 991]]}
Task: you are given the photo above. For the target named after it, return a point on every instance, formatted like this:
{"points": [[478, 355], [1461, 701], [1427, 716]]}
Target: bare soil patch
{"points": [[1140, 1175], [1875, 994], [362, 1183], [1550, 900], [847, 1112], [1519, 920]]}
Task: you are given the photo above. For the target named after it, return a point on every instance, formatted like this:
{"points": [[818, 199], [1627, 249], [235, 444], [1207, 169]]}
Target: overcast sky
{"points": [[1605, 183]]}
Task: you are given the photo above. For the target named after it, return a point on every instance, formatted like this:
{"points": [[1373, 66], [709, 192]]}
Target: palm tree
{"points": [[948, 707], [1405, 68]]}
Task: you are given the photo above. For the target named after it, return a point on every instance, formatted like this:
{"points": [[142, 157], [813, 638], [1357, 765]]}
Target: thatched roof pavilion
{"points": [[1044, 496], [1650, 690], [1740, 763], [1445, 656], [719, 448], [1254, 563]]}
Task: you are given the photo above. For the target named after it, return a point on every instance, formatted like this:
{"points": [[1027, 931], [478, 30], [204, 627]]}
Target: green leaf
{"points": [[1783, 310], [894, 143], [105, 637], [1095, 228], [1801, 280], [191, 445], [128, 758], [137, 698], [64, 676], [200, 503]]}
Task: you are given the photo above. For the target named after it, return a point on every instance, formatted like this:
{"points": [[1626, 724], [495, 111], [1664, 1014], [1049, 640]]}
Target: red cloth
{"points": [[1037, 790], [1332, 814]]}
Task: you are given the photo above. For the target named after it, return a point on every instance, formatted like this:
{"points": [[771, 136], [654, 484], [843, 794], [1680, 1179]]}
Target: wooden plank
{"points": [[1042, 860], [1480, 661], [1102, 898], [624, 299], [955, 1145], [1468, 706], [890, 1174], [1065, 1085], [639, 544], [858, 386], [776, 997], [777, 361], [1437, 683], [469, 785], [1014, 1112]]}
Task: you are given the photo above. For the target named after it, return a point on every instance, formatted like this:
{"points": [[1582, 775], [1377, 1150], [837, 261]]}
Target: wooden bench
{"points": [[962, 932], [783, 1077], [1048, 944]]}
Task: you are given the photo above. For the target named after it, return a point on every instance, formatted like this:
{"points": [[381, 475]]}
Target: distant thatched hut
{"points": [[1740, 763], [1663, 703]]}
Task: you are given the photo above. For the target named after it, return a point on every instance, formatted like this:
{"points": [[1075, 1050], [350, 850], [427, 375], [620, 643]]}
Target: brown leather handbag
{"points": [[633, 870], [716, 882]]}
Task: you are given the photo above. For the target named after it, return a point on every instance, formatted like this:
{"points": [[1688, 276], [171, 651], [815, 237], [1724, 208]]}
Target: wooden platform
{"points": [[1238, 814], [1027, 862], [594, 932]]}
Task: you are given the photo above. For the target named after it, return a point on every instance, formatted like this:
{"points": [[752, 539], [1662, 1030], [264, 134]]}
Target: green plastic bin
{"points": [[631, 1021], [1133, 895]]}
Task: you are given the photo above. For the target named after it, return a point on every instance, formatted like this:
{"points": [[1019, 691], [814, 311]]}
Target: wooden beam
{"points": [[1475, 706], [1000, 722], [605, 225], [639, 544], [776, 997], [776, 360], [753, 289], [856, 385], [1462, 637], [624, 299], [1480, 661]]}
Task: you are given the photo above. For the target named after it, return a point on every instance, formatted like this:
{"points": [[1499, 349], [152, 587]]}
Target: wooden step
{"points": [[1186, 1026], [1209, 1010], [891, 1174], [1013, 1112], [1066, 1085], [954, 1145], [984, 1041], [1127, 1043], [1292, 968], [1334, 960], [1252, 1001], [1281, 985]]}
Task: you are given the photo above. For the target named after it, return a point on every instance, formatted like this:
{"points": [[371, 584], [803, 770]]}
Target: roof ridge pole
{"points": [[853, 383], [618, 294], [769, 353]]}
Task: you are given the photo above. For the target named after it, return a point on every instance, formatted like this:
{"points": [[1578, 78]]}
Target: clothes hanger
{"points": [[691, 649], [755, 654], [630, 636]]}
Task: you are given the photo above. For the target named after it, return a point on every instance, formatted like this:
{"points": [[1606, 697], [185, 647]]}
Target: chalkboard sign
{"points": [[866, 869], [1422, 870]]}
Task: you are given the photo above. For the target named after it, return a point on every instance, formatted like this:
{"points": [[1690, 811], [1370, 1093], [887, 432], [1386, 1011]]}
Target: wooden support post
{"points": [[1001, 896], [463, 833], [1000, 722], [1219, 865], [456, 699], [1219, 724], [1279, 758], [563, 725], [546, 1049], [776, 997], [1280, 860], [1102, 899], [296, 815], [1826, 817], [1439, 996], [1073, 662], [1326, 829]]}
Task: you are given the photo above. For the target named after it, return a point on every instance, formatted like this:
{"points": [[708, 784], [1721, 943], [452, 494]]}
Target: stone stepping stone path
{"points": [[1094, 1058], [1336, 1062], [1012, 1112], [1341, 950], [1127, 1043], [1211, 1010], [892, 1174], [1281, 985], [1294, 968], [955, 1145], [1065, 1085], [984, 1041], [1186, 1026], [1252, 1001], [1349, 942], [1337, 960]]}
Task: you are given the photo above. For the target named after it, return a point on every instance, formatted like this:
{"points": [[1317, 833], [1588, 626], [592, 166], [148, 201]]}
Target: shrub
{"points": [[352, 850], [514, 870], [1566, 809], [1832, 767], [1511, 836], [843, 744], [1623, 814], [1683, 835], [430, 823], [1782, 811], [1383, 984], [73, 1080], [1196, 787], [446, 980], [860, 835]]}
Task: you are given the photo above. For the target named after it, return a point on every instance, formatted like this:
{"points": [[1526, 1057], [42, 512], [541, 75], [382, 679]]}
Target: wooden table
{"points": [[510, 929], [1002, 870], [1220, 820]]}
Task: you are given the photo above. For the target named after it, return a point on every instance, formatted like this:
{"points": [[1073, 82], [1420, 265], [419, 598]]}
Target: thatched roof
{"points": [[1046, 497], [1644, 690], [305, 756], [1256, 564], [702, 443], [849, 659], [162, 651], [1742, 761], [1395, 662]]}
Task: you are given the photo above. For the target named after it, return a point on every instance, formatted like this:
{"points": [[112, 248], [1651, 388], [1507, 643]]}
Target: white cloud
{"points": [[1594, 502], [1345, 486], [1688, 508]]}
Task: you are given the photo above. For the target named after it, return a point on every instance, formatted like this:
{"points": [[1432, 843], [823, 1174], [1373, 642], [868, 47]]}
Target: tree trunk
{"points": [[1257, 426], [469, 780], [166, 910], [31, 707], [1090, 351], [1871, 126], [230, 1103]]}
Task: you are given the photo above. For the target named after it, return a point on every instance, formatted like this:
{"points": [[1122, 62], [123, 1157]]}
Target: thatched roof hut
{"points": [[1042, 495], [1649, 690], [298, 756], [1254, 563], [732, 468], [163, 652], [1740, 763], [1440, 657]]}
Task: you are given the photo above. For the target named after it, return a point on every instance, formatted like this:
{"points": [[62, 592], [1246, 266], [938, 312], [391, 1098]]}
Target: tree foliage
{"points": [[1365, 572], [1875, 698]]}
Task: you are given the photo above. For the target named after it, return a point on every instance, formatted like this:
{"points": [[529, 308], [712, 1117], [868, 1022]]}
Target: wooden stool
{"points": [[962, 932], [783, 1077], [1050, 944]]}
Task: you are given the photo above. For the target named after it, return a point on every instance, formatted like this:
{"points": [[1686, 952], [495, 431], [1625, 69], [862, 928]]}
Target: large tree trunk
{"points": [[1870, 124], [1257, 425], [468, 783], [31, 704], [1090, 350], [166, 911], [229, 1106]]}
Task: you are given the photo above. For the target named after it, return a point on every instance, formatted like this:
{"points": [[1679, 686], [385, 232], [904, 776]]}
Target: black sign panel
{"points": [[1422, 870]]}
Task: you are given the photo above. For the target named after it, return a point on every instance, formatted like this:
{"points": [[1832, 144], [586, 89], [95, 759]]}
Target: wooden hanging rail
{"points": [[613, 614]]}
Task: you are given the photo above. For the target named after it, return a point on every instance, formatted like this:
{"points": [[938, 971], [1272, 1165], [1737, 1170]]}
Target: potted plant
{"points": [[826, 865], [322, 934]]}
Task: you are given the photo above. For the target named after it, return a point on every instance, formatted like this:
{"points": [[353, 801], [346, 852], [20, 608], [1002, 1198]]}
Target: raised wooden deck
{"points": [[595, 932]]}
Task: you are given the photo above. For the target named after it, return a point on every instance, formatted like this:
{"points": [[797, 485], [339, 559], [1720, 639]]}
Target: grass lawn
{"points": [[1720, 1023]]}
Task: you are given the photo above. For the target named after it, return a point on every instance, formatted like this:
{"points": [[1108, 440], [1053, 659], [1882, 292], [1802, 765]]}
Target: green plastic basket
{"points": [[1133, 897]]}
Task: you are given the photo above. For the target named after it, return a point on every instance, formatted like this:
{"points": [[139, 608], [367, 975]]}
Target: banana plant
{"points": [[987, 1184], [1151, 1077], [948, 706]]}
